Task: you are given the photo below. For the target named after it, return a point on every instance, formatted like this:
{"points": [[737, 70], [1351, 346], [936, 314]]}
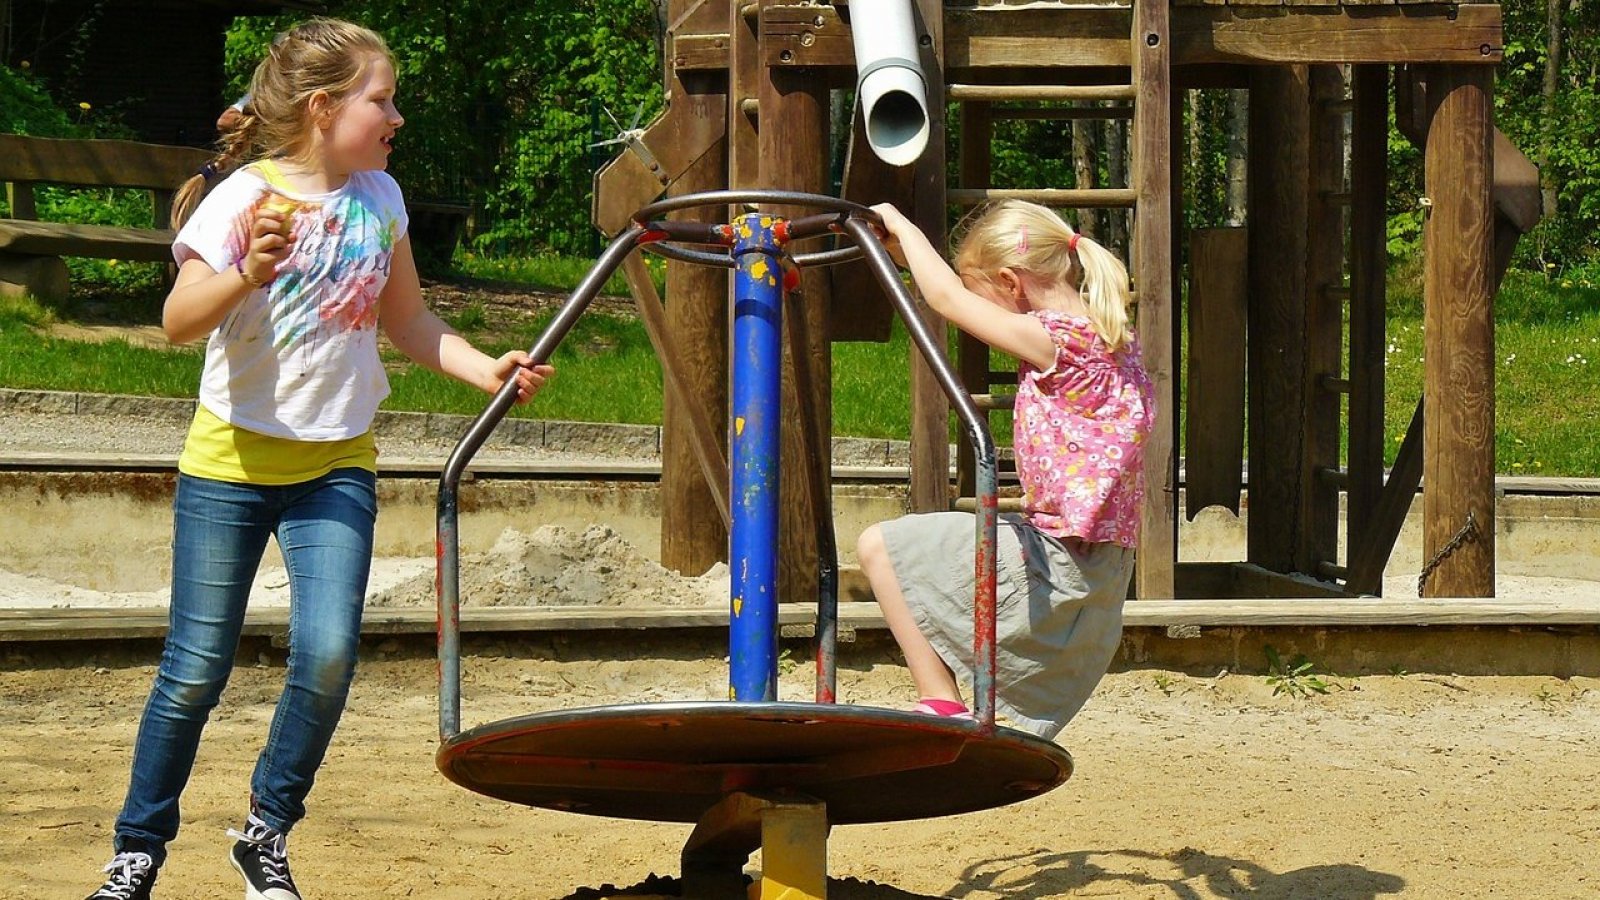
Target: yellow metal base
{"points": [[790, 830], [794, 852]]}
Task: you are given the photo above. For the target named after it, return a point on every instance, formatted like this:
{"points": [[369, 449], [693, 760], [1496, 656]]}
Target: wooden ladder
{"points": [[1147, 100]]}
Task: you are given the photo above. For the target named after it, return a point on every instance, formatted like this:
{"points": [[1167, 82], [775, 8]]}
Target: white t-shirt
{"points": [[298, 357]]}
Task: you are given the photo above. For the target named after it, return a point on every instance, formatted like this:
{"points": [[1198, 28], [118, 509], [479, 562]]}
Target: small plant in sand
{"points": [[1164, 683], [1294, 677]]}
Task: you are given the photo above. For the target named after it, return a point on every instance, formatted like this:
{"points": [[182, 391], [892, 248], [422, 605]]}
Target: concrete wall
{"points": [[111, 531]]}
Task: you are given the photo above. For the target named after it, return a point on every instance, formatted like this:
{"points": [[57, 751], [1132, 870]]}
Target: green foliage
{"points": [[1294, 677], [501, 101], [1561, 135], [26, 108]]}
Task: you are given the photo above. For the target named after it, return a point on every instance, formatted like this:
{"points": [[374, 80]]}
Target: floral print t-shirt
{"points": [[1079, 435], [298, 357]]}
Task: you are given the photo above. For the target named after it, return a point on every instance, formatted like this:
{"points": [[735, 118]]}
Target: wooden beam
{"points": [[694, 495], [1458, 314], [972, 355], [1369, 184], [693, 124], [930, 410], [1278, 195], [1469, 33], [742, 61], [1055, 37], [1199, 580], [691, 428], [1324, 322], [1373, 544], [1151, 178], [1214, 385], [793, 144], [1035, 36], [800, 35], [150, 623], [108, 163]]}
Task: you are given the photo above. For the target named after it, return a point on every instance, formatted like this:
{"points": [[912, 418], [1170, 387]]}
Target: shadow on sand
{"points": [[1189, 873]]}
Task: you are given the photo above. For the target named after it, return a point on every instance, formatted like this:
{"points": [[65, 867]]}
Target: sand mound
{"points": [[556, 566]]}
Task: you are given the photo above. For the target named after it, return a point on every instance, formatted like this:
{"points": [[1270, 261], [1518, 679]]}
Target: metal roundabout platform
{"points": [[750, 772], [672, 762]]}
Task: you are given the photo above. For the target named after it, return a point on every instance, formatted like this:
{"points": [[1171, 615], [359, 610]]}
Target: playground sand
{"points": [[1186, 786]]}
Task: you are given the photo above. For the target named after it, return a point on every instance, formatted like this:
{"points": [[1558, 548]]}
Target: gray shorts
{"points": [[1058, 610]]}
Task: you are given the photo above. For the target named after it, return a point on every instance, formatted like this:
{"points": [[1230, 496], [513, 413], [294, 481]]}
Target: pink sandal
{"points": [[948, 709]]}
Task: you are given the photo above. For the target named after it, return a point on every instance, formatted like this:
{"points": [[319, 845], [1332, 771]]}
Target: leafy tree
{"points": [[501, 101]]}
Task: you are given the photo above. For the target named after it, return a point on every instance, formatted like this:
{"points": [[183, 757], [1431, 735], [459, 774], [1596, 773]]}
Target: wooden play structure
{"points": [[1287, 311]]}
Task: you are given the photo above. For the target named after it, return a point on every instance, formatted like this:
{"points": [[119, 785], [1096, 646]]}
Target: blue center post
{"points": [[754, 442]]}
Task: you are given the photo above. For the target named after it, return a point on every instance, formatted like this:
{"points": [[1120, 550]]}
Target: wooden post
{"points": [[972, 355], [1318, 528], [1214, 427], [930, 410], [1152, 268], [1369, 183], [1458, 313], [1279, 161], [693, 536], [744, 84], [793, 143]]}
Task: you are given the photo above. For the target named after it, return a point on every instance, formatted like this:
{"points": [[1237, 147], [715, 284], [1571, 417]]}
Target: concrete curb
{"points": [[396, 428]]}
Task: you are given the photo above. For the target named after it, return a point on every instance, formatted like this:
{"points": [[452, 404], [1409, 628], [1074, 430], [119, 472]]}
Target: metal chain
{"points": [[1468, 532]]}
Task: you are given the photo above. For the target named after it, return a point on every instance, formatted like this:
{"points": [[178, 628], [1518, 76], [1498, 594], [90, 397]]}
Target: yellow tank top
{"points": [[220, 451]]}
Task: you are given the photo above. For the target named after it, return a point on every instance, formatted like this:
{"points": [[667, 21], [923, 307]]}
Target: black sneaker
{"points": [[262, 857], [131, 876]]}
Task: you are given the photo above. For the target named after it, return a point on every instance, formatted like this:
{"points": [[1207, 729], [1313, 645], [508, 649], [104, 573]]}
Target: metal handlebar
{"points": [[649, 230]]}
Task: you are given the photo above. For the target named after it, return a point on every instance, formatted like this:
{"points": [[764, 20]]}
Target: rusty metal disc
{"points": [[670, 762]]}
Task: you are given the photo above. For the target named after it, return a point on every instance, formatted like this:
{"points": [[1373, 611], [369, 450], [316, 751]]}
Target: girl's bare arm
{"points": [[1019, 335]]}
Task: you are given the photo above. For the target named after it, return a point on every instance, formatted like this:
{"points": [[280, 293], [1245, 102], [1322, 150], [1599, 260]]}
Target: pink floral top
{"points": [[1079, 435]]}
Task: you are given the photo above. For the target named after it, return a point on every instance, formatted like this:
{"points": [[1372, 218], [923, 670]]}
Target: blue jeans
{"points": [[324, 530]]}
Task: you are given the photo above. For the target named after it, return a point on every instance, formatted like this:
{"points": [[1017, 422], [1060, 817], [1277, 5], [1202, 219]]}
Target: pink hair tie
{"points": [[1022, 239], [1072, 242]]}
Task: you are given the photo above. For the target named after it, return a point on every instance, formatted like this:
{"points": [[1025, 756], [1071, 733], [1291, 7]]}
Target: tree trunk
{"points": [[1555, 13], [1083, 170], [1116, 173], [1238, 128]]}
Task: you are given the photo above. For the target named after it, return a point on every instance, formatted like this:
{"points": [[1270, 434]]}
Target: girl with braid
{"points": [[288, 267]]}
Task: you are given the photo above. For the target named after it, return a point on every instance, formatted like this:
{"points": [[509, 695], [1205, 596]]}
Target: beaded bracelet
{"points": [[238, 265]]}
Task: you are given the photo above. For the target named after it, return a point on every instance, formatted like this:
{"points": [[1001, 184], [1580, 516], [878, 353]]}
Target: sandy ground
{"points": [[1186, 787]]}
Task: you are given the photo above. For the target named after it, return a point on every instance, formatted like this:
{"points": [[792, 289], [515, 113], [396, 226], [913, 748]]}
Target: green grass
{"points": [[553, 273], [606, 371], [1547, 367], [31, 359], [1547, 360]]}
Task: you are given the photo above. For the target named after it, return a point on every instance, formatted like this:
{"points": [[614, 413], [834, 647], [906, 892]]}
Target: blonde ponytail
{"points": [[1103, 285]]}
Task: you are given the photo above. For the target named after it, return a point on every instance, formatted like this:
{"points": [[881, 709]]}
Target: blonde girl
{"points": [[288, 267], [1025, 283]]}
